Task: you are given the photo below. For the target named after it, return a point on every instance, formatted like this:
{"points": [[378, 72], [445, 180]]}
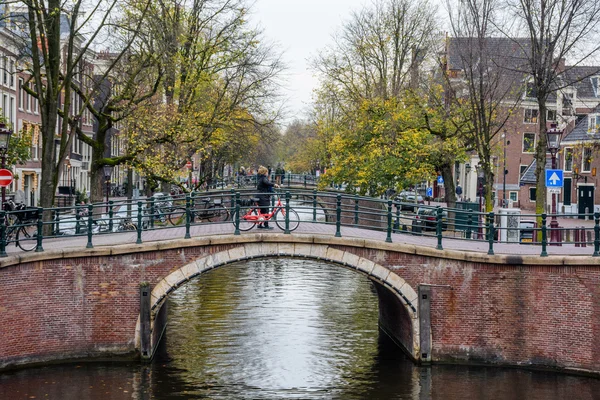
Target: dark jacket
{"points": [[264, 186]]}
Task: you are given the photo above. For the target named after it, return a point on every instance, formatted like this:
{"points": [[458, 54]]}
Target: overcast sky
{"points": [[301, 28]]}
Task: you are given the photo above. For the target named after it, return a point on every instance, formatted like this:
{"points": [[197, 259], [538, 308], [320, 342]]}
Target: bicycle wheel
{"points": [[27, 237], [217, 214], [279, 218], [177, 216], [246, 225]]}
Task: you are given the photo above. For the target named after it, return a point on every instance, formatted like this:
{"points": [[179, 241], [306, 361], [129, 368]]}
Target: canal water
{"points": [[283, 329]]}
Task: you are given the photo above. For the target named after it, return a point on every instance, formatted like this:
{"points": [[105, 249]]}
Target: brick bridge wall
{"points": [[530, 311]]}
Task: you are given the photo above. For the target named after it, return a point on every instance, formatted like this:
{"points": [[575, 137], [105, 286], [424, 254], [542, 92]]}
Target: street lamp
{"points": [[553, 136], [107, 171], [4, 143]]}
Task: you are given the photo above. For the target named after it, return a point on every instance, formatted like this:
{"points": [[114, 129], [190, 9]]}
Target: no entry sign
{"points": [[6, 177]]}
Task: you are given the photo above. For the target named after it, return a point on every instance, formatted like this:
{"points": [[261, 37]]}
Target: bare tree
{"points": [[57, 39], [557, 30], [477, 73]]}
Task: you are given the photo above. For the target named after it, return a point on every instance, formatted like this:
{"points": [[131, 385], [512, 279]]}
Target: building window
{"points": [[531, 91], [513, 196], [28, 103], [586, 162], [528, 142], [522, 169], [532, 196], [531, 116], [593, 123], [551, 115], [595, 81], [568, 159], [12, 74], [5, 70], [21, 94]]}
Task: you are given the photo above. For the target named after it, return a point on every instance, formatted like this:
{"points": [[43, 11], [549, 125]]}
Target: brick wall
{"points": [[534, 315]]}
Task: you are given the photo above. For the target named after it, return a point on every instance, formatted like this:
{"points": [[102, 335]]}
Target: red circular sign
{"points": [[188, 165], [6, 177]]}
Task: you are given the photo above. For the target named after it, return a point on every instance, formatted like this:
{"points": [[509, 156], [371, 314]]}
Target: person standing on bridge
{"points": [[264, 187]]}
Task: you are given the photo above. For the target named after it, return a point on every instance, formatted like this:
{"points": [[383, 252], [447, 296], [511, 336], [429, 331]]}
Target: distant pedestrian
{"points": [[279, 172]]}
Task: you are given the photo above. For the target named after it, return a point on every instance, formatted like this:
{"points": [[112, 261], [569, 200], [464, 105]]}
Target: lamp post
{"points": [[553, 136], [4, 143], [107, 171]]}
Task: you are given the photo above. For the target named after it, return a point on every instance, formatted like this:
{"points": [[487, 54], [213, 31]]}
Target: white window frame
{"points": [[514, 198], [586, 152], [523, 143], [593, 123], [531, 118], [567, 151], [21, 93], [596, 86]]}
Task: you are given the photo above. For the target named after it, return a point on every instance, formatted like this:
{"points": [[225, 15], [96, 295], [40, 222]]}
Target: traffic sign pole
{"points": [[6, 178]]}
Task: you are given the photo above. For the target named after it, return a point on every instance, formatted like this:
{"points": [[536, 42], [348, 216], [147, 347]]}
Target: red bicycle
{"points": [[250, 216]]}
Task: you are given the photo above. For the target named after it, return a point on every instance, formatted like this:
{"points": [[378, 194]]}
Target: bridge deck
{"points": [[309, 228]]}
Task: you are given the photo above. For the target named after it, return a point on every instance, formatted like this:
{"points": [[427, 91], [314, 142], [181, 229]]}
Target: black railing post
{"points": [[111, 210], [304, 181], [544, 237], [397, 221], [491, 233], [438, 227], [140, 216], [152, 211], [388, 237], [237, 214], [287, 213], [356, 208], [40, 230], [289, 180], [314, 205], [188, 215], [596, 234], [3, 227], [338, 216], [90, 223], [469, 222], [192, 206]]}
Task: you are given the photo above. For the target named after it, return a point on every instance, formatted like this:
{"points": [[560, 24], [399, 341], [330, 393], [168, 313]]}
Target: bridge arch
{"points": [[398, 301]]}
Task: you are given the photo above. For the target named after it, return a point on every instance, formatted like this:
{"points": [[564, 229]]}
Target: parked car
{"points": [[426, 219], [407, 199], [526, 231]]}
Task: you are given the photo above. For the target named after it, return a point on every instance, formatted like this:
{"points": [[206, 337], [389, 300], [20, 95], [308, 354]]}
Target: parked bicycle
{"points": [[205, 208], [21, 225], [250, 216]]}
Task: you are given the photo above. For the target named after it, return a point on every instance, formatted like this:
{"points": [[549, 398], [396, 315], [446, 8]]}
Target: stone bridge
{"points": [[439, 305]]}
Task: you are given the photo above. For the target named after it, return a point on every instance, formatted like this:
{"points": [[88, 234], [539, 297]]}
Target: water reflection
{"points": [[283, 329]]}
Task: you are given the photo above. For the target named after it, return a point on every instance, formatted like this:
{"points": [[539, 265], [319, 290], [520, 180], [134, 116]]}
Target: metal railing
{"points": [[394, 221]]}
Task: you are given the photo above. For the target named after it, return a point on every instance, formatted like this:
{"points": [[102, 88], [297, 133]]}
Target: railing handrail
{"points": [[339, 209]]}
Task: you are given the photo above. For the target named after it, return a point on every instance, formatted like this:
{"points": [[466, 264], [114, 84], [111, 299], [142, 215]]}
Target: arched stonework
{"points": [[398, 286]]}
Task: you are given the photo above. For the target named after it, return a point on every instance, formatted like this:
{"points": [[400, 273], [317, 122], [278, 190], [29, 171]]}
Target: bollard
{"points": [[544, 253], [3, 234], [139, 222], [583, 237], [40, 230], [338, 215], [90, 225], [576, 237], [596, 234]]}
